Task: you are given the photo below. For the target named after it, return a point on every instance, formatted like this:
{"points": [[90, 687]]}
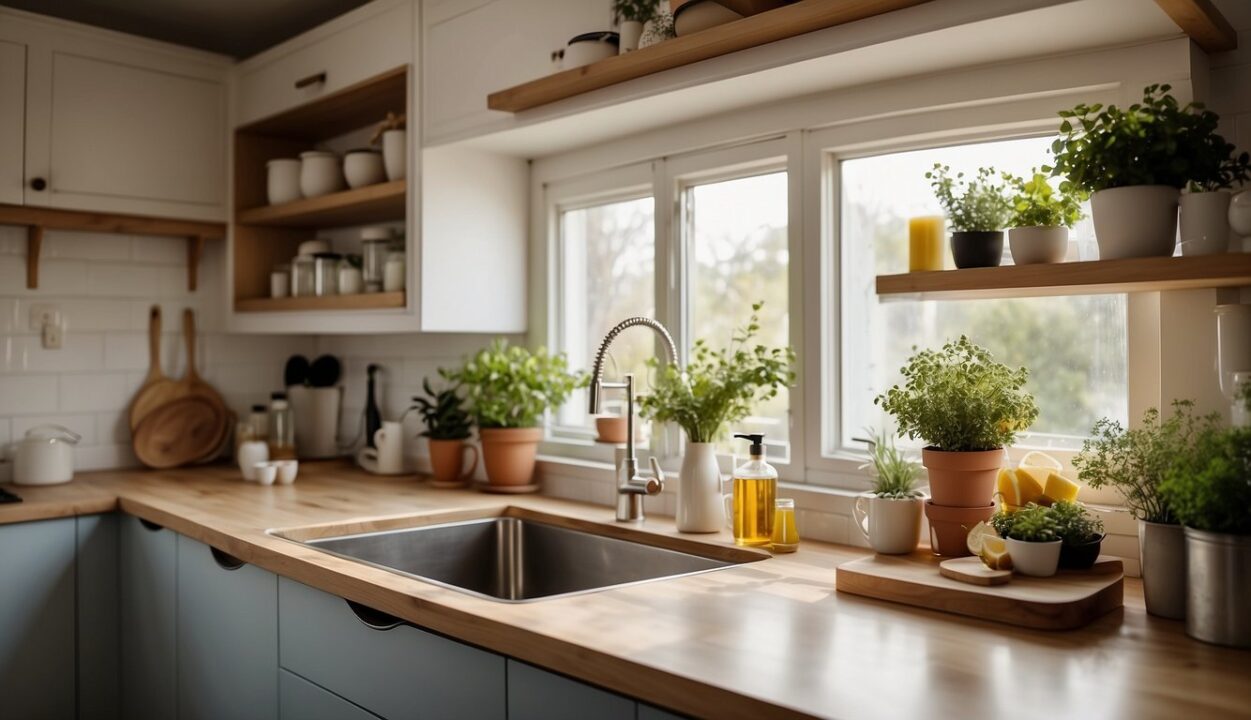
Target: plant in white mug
{"points": [[892, 522], [631, 16]]}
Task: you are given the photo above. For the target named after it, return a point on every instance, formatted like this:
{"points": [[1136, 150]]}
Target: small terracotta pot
{"points": [[1080, 557], [949, 526], [509, 454], [611, 429], [447, 461], [962, 479]]}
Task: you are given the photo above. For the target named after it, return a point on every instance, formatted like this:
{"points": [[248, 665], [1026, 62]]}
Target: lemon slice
{"points": [[978, 534], [994, 553], [1040, 459]]}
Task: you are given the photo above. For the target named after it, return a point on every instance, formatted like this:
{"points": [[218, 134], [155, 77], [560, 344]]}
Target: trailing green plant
{"points": [[1076, 524], [894, 475], [634, 10], [1209, 486], [718, 387], [508, 386], [1243, 395], [1036, 204], [974, 205], [443, 413], [959, 399], [1032, 523], [1153, 142], [1133, 461]]}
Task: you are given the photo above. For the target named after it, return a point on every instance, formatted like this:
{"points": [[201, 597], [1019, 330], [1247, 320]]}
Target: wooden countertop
{"points": [[764, 639]]}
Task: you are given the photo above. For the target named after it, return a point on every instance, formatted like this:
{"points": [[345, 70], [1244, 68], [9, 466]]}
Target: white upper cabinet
{"points": [[12, 121]]}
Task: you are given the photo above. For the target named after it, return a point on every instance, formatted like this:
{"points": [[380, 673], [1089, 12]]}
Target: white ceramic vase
{"points": [[1205, 222], [393, 154], [1135, 221], [701, 508], [1033, 245], [631, 31], [1036, 559], [892, 526]]}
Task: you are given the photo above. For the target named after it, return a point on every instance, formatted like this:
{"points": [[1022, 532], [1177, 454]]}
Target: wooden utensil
{"points": [[179, 432], [197, 386], [157, 389]]}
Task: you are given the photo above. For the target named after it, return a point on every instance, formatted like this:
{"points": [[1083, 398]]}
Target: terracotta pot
{"points": [[509, 454], [962, 479], [447, 461], [949, 527], [611, 429]]}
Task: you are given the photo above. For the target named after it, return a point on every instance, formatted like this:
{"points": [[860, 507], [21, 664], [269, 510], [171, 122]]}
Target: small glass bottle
{"points": [[254, 427], [281, 435], [785, 534]]}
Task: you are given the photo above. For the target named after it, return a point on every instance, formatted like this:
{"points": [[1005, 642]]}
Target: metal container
{"points": [[1162, 550], [1218, 601]]}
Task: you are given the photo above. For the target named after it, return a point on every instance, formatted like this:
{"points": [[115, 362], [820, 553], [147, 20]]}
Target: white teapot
{"points": [[45, 456]]}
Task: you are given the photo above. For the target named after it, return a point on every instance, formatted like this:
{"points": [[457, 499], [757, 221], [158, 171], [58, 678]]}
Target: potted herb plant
{"points": [[630, 16], [448, 426], [1134, 162], [1082, 535], [1033, 538], [717, 388], [509, 388], [1133, 461], [892, 523], [1040, 219], [977, 210], [1209, 491], [966, 408], [1217, 168]]}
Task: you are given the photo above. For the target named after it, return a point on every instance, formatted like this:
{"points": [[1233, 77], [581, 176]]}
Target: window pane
{"points": [[1075, 347], [607, 265], [738, 247]]}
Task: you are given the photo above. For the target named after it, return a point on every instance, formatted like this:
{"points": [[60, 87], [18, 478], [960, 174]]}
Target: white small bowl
{"points": [[265, 472], [321, 173], [287, 470], [283, 180], [1034, 245], [363, 167]]}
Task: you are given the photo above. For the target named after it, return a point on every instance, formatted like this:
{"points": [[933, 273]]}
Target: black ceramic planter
{"points": [[1080, 557], [983, 248]]}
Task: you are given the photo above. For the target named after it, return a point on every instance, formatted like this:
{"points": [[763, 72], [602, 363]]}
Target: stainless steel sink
{"points": [[518, 559]]}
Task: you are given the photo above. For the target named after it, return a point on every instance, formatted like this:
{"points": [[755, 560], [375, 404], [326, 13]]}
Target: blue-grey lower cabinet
{"points": [[647, 712], [148, 564], [37, 665], [227, 636], [302, 700], [391, 669], [535, 694], [96, 577]]}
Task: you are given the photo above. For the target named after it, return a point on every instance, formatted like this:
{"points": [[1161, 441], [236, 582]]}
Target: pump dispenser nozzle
{"points": [[757, 443]]}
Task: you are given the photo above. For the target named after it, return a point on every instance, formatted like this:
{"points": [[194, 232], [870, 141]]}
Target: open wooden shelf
{"points": [[340, 111], [362, 301], [1076, 278], [373, 203]]}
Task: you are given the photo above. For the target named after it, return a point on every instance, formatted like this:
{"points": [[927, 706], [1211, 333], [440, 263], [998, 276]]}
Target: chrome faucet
{"points": [[631, 486]]}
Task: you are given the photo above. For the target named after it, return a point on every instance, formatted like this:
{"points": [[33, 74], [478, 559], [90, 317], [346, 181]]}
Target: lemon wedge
{"points": [[1021, 486], [977, 536], [994, 553], [1040, 459], [1059, 488]]}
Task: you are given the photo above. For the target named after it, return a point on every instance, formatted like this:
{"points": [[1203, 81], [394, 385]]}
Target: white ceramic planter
{"points": [[320, 173], [394, 144], [283, 180], [1036, 559], [1205, 223], [701, 508], [363, 167], [631, 31], [1135, 221], [1033, 245], [891, 526]]}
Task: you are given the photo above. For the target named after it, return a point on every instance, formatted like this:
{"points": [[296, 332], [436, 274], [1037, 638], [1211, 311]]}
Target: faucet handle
{"points": [[658, 475]]}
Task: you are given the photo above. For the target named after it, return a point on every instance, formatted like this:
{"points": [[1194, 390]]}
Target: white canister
{"points": [[249, 454], [1205, 222], [280, 282], [45, 456], [363, 167], [317, 427], [394, 275], [350, 282], [394, 144], [631, 33], [282, 180], [320, 173]]}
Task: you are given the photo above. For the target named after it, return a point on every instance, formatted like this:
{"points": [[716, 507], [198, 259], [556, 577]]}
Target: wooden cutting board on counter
{"points": [[1066, 601]]}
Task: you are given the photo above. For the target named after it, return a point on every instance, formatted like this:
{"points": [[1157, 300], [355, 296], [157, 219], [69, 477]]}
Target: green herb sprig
{"points": [[974, 205], [1208, 487], [1036, 204], [894, 475], [1032, 523]]}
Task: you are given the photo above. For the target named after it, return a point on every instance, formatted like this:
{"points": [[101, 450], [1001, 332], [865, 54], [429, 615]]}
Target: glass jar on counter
{"points": [[302, 284], [326, 273], [281, 430]]}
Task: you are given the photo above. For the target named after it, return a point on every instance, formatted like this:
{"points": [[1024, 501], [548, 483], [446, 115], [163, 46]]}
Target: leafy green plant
{"points": [[1153, 142], [1243, 395], [443, 413], [959, 399], [974, 205], [1076, 524], [1134, 460], [719, 387], [634, 10], [1032, 523], [894, 475], [507, 386], [1036, 204], [1209, 487]]}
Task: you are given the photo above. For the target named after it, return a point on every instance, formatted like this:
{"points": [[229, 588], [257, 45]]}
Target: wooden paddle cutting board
{"points": [[1066, 601], [196, 386], [157, 388], [178, 433]]}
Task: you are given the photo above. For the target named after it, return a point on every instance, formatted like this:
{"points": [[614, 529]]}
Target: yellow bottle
{"points": [[785, 534], [755, 489]]}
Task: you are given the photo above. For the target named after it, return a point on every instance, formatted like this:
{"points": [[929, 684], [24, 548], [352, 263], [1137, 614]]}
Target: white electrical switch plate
{"points": [[44, 314], [53, 336]]}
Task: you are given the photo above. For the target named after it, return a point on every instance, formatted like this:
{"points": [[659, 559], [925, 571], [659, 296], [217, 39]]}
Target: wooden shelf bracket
{"points": [[34, 245], [195, 250]]}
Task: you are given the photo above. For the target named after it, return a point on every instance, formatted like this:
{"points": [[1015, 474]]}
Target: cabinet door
{"points": [[12, 121], [148, 561], [37, 619], [302, 700], [535, 694], [96, 574], [227, 636]]}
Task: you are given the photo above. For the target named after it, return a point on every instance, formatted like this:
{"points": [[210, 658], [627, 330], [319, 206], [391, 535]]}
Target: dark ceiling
{"points": [[232, 27]]}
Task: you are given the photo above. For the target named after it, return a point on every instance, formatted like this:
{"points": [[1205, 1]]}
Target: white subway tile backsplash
{"points": [[28, 394], [158, 250], [129, 351], [96, 392], [113, 428], [25, 353], [85, 246], [11, 320], [122, 280], [104, 457], [56, 277], [94, 315]]}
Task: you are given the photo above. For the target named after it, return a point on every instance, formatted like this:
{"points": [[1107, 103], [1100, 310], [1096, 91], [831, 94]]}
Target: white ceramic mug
{"points": [[388, 457], [892, 527]]}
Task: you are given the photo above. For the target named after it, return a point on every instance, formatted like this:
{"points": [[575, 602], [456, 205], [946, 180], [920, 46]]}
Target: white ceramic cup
{"points": [[320, 173], [892, 527], [287, 470], [265, 472], [388, 457], [394, 144], [282, 180], [363, 167]]}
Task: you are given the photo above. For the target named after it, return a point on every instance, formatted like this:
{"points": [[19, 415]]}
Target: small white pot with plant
{"points": [[1032, 535], [889, 517], [977, 210], [631, 16], [1040, 219]]}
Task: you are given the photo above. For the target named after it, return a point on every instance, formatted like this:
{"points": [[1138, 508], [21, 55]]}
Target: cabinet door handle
{"points": [[373, 619], [38, 184], [149, 525], [226, 561], [310, 80]]}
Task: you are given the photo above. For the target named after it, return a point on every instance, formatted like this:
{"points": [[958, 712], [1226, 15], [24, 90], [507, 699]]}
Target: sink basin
{"points": [[516, 555]]}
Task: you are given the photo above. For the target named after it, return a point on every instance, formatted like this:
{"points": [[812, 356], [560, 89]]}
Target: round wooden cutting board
{"points": [[180, 432]]}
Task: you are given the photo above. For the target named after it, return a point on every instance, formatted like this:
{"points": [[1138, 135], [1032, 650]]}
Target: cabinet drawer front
{"points": [[371, 46], [535, 694], [399, 673], [302, 700]]}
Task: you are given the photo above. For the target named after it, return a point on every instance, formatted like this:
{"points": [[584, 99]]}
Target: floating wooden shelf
{"points": [[363, 301], [372, 203], [1075, 278]]}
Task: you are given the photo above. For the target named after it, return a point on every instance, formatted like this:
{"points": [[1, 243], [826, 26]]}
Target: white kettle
{"points": [[45, 456]]}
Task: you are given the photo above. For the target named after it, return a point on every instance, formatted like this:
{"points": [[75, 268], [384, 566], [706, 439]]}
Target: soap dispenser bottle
{"points": [[754, 493]]}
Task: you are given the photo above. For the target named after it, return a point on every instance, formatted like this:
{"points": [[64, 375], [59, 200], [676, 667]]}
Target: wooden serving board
{"points": [[1066, 601]]}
